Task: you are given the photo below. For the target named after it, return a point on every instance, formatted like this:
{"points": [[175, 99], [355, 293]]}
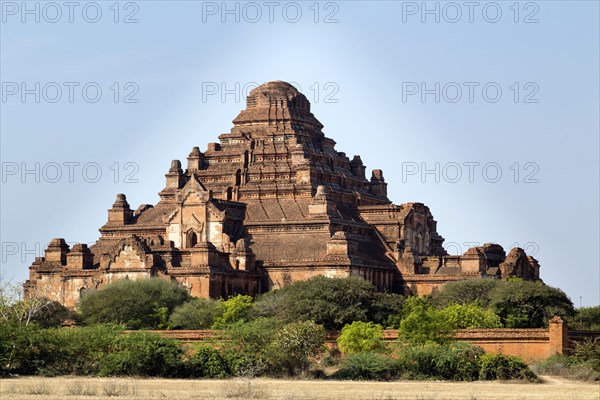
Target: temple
{"points": [[271, 203]]}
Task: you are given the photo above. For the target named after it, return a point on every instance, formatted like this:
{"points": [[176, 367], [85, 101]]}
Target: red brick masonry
{"points": [[530, 344]]}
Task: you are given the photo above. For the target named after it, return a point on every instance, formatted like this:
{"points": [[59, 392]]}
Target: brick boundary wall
{"points": [[529, 344]]}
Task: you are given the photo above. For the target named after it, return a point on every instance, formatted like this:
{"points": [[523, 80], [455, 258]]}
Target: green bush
{"points": [[250, 352], [454, 361], [139, 304], [367, 366], [588, 351], [30, 350], [196, 314], [331, 302], [422, 323], [526, 304], [16, 352], [360, 337], [294, 343], [143, 354], [500, 366], [585, 318], [465, 292], [235, 309], [464, 316], [207, 362]]}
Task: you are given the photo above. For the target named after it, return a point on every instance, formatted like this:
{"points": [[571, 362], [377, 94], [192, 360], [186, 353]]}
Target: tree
{"points": [[16, 307], [143, 354], [466, 292], [139, 304], [527, 304], [586, 318], [298, 341], [234, 309], [463, 316], [422, 323], [331, 302], [196, 314], [250, 346], [359, 337]]}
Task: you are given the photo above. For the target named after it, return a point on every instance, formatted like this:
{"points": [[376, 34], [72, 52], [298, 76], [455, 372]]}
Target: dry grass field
{"points": [[71, 388]]}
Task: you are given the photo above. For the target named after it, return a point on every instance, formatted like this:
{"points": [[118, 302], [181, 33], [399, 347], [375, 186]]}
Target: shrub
{"points": [[15, 349], [455, 361], [463, 316], [296, 342], [30, 350], [586, 318], [79, 350], [360, 337], [526, 304], [465, 292], [367, 366], [567, 367], [234, 310], [139, 304], [588, 351], [142, 354], [196, 314], [385, 309], [250, 350], [207, 362], [422, 323], [331, 302], [500, 366]]}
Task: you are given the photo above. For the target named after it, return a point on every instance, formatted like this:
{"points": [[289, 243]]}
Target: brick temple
{"points": [[271, 203]]}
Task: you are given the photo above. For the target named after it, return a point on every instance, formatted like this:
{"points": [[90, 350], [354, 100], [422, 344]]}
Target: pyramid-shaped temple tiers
{"points": [[271, 203]]}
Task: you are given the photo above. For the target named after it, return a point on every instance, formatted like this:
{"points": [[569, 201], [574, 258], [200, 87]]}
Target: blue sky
{"points": [[507, 88]]}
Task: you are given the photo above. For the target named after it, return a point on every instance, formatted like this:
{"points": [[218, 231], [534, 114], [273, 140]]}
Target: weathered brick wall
{"points": [[529, 344]]}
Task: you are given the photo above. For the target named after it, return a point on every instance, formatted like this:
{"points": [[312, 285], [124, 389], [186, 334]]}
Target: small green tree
{"points": [[360, 337], [196, 314], [465, 292], [207, 362], [586, 318], [249, 351], [298, 341], [143, 354], [331, 302], [234, 309], [463, 316], [527, 304], [422, 323], [139, 304]]}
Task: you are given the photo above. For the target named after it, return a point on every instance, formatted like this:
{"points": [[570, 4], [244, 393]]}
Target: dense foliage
{"points": [[297, 342], [197, 313], [331, 302], [464, 316], [454, 361], [585, 318], [518, 303], [282, 332], [139, 304], [31, 350], [142, 354], [360, 337], [423, 323], [500, 366]]}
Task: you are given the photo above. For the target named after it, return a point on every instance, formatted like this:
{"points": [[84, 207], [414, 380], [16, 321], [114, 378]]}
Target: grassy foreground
{"points": [[144, 389]]}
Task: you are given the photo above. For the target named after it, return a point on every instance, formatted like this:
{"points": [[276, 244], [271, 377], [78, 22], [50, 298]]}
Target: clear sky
{"points": [[488, 112]]}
